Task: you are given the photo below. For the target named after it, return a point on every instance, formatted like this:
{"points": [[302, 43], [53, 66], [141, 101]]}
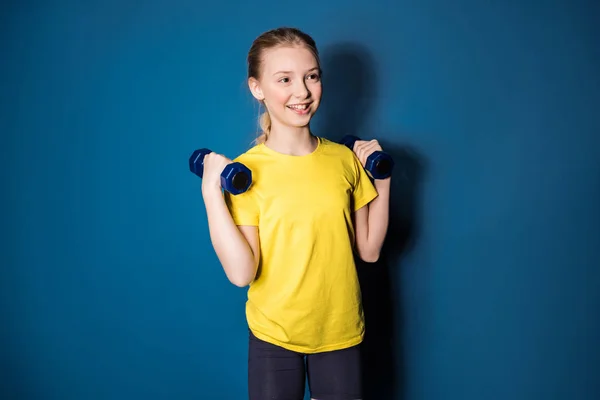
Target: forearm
{"points": [[378, 219], [232, 248]]}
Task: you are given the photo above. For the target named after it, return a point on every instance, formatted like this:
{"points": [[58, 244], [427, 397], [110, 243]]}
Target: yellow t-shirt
{"points": [[306, 296]]}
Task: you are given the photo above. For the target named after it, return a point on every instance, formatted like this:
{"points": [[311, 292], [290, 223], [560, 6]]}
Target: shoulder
{"points": [[250, 155], [341, 153], [337, 149]]}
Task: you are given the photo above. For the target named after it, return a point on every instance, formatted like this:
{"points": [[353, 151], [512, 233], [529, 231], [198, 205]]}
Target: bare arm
{"points": [[371, 223], [237, 247]]}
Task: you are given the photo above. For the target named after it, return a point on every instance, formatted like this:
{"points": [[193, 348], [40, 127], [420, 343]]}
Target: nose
{"points": [[301, 90]]}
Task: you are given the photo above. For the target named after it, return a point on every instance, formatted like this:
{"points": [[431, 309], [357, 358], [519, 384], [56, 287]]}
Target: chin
{"points": [[300, 124]]}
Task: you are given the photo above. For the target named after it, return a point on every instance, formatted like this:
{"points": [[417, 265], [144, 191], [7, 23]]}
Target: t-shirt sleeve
{"points": [[364, 191], [243, 208]]}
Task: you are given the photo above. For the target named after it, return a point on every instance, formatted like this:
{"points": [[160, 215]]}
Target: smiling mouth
{"points": [[300, 109]]}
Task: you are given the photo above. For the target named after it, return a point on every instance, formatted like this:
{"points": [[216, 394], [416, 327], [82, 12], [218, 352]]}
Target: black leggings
{"points": [[275, 373]]}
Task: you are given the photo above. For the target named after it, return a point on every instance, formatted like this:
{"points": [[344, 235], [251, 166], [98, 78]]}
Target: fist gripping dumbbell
{"points": [[379, 164], [236, 178]]}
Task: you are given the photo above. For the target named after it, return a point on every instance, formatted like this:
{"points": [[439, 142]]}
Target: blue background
{"points": [[488, 287]]}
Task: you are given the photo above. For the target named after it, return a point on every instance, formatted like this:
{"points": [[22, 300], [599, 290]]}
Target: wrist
{"points": [[383, 184], [211, 191]]}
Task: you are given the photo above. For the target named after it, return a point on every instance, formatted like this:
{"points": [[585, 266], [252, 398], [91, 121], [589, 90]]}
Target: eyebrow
{"points": [[289, 72]]}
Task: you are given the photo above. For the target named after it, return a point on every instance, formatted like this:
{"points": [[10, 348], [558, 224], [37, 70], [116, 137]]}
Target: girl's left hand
{"points": [[364, 148]]}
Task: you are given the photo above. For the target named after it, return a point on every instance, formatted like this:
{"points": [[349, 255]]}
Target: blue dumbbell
{"points": [[236, 178], [379, 164]]}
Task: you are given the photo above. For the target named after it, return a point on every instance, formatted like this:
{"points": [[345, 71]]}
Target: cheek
{"points": [[276, 95], [316, 90]]}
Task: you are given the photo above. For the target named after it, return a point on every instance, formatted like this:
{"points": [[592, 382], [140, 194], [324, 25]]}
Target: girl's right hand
{"points": [[213, 166]]}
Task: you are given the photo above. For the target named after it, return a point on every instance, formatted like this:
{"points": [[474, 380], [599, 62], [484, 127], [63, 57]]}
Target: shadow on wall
{"points": [[350, 93]]}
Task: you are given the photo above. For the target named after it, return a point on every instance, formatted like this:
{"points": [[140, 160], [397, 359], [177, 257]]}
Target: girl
{"points": [[292, 236]]}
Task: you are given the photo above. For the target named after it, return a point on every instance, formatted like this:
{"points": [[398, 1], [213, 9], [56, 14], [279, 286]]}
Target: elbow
{"points": [[368, 255], [241, 280], [241, 283], [243, 277]]}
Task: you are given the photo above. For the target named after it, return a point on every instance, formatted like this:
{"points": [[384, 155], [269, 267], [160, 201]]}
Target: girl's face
{"points": [[290, 85]]}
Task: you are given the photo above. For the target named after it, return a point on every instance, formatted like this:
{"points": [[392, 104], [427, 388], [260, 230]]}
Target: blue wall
{"points": [[488, 289]]}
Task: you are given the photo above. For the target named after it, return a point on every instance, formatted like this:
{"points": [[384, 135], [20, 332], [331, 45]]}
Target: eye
{"points": [[314, 76], [284, 80]]}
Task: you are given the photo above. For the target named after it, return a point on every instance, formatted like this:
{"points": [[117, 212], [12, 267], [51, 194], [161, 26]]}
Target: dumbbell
{"points": [[236, 178], [379, 164]]}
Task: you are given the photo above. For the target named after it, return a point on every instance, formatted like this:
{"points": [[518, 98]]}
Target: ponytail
{"points": [[265, 126]]}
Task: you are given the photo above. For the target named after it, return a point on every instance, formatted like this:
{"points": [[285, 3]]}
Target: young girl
{"points": [[293, 235]]}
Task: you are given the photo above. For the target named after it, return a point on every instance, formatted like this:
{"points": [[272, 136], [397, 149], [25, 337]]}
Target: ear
{"points": [[255, 89]]}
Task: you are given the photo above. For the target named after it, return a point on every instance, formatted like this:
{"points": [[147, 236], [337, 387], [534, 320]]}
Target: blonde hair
{"points": [[283, 36]]}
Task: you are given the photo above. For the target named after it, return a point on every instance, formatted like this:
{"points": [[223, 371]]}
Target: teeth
{"points": [[299, 106]]}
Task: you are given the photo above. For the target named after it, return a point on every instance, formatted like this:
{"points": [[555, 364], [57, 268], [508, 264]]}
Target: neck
{"points": [[291, 141]]}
